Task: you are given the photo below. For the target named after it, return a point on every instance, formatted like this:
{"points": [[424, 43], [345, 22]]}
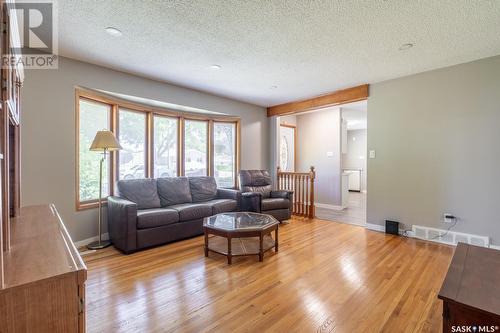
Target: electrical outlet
{"points": [[449, 218]]}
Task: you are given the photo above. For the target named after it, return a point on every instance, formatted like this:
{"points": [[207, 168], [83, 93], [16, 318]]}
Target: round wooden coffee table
{"points": [[240, 234]]}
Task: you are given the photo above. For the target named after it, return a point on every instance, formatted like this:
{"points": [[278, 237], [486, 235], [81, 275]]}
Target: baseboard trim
{"points": [[84, 242], [328, 206], [375, 227]]}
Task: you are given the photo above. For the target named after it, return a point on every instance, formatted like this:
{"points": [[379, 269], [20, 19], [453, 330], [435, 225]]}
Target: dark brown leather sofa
{"points": [[149, 212], [258, 195]]}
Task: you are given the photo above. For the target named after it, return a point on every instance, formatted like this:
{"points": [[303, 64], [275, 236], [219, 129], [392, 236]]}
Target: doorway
{"points": [[287, 148], [354, 162]]}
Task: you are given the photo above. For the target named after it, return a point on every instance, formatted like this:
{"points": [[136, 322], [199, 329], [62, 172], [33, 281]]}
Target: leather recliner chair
{"points": [[258, 195]]}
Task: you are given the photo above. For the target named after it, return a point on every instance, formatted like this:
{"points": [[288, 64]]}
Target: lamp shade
{"points": [[105, 140]]}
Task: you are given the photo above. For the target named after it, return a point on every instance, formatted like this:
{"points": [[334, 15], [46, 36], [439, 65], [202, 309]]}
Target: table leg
{"points": [[229, 255], [261, 248], [276, 239], [206, 243]]}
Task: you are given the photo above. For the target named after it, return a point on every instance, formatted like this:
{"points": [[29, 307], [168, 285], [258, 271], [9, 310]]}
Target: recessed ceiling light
{"points": [[113, 32], [215, 67], [405, 47]]}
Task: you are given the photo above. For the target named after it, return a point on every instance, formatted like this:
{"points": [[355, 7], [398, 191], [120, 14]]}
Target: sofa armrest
{"points": [[251, 202], [122, 223], [251, 195], [285, 194], [225, 193]]}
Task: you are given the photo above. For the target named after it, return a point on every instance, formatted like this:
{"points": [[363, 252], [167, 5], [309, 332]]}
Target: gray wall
{"points": [[318, 132], [48, 131], [437, 137], [356, 153]]}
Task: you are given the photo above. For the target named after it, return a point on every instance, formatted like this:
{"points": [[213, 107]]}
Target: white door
{"points": [[287, 148]]}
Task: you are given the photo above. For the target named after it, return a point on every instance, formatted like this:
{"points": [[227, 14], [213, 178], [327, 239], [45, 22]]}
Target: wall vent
{"points": [[450, 237]]}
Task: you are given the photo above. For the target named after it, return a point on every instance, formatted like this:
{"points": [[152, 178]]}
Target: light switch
{"points": [[372, 154], [329, 154]]}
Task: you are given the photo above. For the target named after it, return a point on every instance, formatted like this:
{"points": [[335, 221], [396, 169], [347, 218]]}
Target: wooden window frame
{"points": [[236, 148], [209, 160], [147, 142], [152, 137], [80, 205], [150, 112]]}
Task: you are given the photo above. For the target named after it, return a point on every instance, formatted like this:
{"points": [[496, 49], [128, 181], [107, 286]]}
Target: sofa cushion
{"points": [[192, 211], [141, 191], [203, 188], [150, 218], [173, 190], [275, 203], [222, 205]]}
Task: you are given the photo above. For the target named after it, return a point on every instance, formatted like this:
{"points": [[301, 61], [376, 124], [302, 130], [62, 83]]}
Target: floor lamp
{"points": [[104, 141]]}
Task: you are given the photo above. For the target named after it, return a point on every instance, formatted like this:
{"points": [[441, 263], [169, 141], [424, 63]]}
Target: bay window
{"points": [[92, 117], [225, 153], [156, 143], [195, 148], [165, 146], [132, 138]]}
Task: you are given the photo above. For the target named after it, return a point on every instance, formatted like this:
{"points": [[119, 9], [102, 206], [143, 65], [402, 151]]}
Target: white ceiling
{"points": [[303, 47]]}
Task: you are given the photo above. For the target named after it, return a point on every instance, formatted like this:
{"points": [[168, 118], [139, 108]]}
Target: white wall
{"points": [[48, 131], [437, 137], [288, 120], [319, 134], [356, 153]]}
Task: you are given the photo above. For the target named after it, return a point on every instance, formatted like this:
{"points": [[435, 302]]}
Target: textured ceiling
{"points": [[305, 48]]}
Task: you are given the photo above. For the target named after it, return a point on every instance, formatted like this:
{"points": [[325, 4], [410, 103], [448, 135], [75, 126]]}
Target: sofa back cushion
{"points": [[203, 188], [141, 191], [256, 181], [173, 191]]}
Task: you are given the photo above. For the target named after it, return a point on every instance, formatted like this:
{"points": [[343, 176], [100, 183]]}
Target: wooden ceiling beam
{"points": [[338, 97]]}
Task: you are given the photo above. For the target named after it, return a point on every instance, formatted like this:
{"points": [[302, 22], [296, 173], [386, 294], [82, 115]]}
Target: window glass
{"points": [[225, 154], [165, 146], [93, 117], [195, 148], [132, 137]]}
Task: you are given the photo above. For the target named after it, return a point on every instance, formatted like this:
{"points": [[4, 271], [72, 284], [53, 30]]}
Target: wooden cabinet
{"points": [[470, 293], [42, 276], [10, 108], [44, 289]]}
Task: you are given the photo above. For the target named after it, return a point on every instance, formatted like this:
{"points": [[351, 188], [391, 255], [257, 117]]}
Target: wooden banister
{"points": [[302, 184]]}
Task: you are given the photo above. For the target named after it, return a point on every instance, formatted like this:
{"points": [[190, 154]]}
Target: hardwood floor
{"points": [[354, 213], [326, 277]]}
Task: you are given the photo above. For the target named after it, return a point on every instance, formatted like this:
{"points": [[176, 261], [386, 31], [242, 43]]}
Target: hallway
{"points": [[355, 213]]}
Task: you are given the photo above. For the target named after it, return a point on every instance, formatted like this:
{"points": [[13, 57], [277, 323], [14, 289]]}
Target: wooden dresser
{"points": [[44, 276], [471, 290]]}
